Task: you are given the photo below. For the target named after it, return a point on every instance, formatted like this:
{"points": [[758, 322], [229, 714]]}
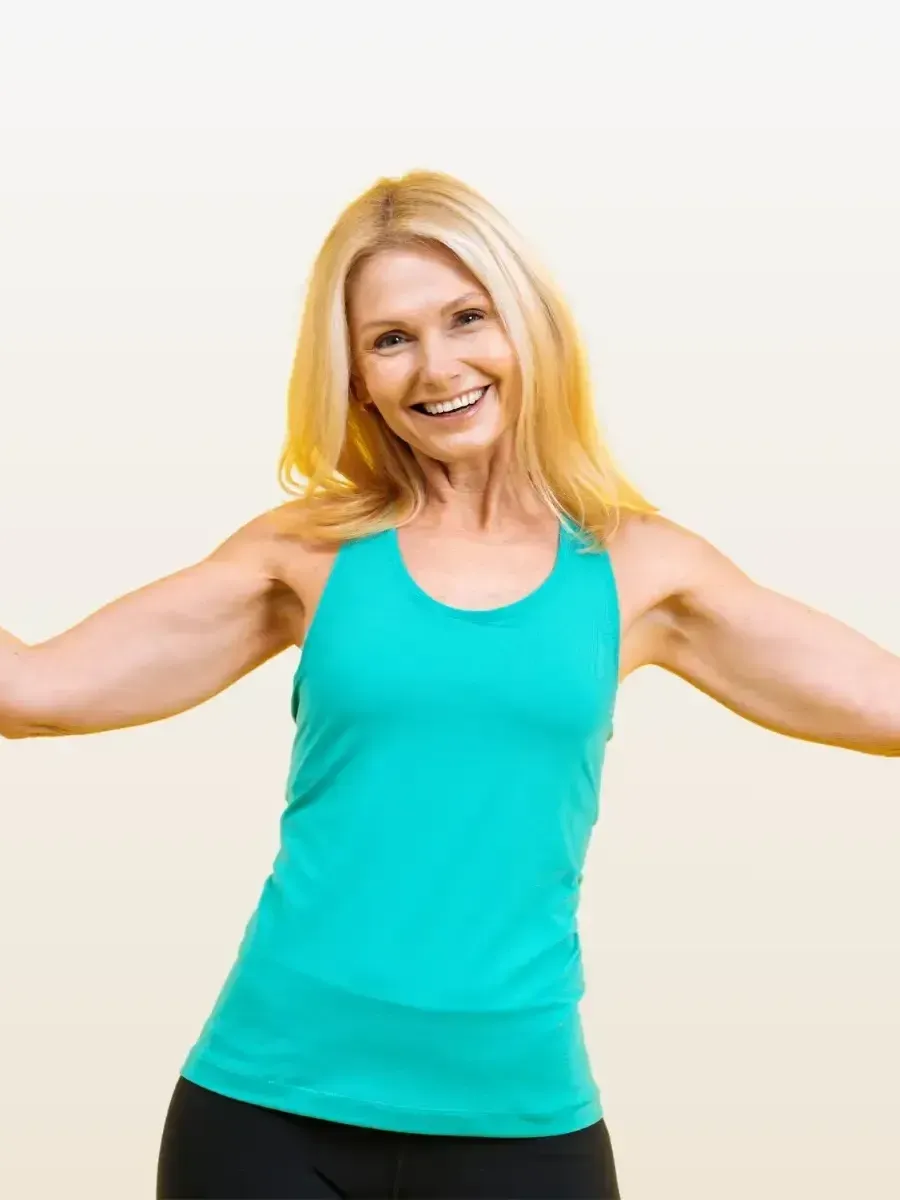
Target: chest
{"points": [[465, 646], [469, 572]]}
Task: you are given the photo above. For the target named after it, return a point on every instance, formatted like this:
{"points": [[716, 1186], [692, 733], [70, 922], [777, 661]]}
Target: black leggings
{"points": [[216, 1148]]}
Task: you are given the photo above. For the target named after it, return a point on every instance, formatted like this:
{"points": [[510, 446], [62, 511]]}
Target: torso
{"points": [[438, 753], [486, 570]]}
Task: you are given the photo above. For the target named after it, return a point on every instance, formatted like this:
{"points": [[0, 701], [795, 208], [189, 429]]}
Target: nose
{"points": [[439, 365]]}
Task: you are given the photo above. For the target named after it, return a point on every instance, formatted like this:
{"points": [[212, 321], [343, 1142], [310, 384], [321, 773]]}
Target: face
{"points": [[431, 354]]}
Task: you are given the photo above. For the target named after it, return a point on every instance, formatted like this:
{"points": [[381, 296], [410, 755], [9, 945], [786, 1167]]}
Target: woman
{"points": [[470, 578]]}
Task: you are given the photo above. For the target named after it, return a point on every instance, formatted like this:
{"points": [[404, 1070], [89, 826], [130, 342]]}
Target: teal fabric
{"points": [[414, 962]]}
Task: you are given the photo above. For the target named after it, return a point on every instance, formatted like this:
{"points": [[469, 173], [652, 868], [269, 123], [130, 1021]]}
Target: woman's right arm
{"points": [[160, 650]]}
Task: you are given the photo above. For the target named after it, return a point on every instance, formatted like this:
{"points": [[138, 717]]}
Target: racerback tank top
{"points": [[414, 962]]}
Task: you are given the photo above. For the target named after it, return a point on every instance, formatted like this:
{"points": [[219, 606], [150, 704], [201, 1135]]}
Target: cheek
{"points": [[388, 379], [496, 354]]}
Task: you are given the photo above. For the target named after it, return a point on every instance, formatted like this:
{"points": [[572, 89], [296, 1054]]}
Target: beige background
{"points": [[718, 194]]}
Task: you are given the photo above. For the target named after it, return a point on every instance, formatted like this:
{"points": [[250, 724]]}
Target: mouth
{"points": [[460, 406]]}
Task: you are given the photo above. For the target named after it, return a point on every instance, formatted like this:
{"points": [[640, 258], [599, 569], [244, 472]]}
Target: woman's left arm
{"points": [[779, 663]]}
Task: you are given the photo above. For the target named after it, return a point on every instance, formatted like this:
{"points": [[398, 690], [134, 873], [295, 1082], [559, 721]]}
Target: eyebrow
{"points": [[466, 298]]}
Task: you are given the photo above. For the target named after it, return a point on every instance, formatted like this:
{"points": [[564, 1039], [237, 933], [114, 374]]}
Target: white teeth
{"points": [[466, 400]]}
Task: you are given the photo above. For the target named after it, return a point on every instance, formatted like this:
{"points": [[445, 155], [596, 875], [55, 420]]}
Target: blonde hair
{"points": [[356, 477]]}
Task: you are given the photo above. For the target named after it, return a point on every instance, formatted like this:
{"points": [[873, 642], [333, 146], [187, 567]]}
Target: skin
{"points": [[422, 329]]}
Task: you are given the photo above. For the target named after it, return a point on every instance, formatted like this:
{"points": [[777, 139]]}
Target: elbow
{"points": [[16, 726], [21, 721], [13, 733], [15, 721], [21, 710]]}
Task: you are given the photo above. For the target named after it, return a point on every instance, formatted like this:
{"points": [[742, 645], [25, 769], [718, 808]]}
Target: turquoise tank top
{"points": [[414, 962]]}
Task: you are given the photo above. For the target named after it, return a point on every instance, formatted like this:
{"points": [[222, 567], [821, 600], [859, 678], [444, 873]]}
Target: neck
{"points": [[480, 493]]}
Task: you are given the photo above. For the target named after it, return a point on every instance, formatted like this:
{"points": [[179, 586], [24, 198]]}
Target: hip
{"points": [[215, 1145], [303, 1044]]}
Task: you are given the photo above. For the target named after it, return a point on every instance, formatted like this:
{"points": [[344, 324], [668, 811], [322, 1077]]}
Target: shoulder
{"points": [[674, 557], [654, 533], [276, 542], [276, 549], [665, 573], [651, 554]]}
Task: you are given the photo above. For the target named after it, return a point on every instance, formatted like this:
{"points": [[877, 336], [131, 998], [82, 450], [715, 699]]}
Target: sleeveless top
{"points": [[414, 962]]}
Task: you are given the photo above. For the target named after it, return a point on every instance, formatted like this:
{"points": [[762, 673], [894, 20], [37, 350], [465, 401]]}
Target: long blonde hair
{"points": [[356, 477]]}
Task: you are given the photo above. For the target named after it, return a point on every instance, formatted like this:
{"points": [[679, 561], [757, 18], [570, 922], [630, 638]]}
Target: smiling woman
{"points": [[445, 379], [422, 295], [402, 1015]]}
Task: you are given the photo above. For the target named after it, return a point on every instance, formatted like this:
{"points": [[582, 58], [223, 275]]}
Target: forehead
{"points": [[406, 280]]}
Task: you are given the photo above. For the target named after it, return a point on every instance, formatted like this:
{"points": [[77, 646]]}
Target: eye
{"points": [[394, 338], [382, 343], [470, 312]]}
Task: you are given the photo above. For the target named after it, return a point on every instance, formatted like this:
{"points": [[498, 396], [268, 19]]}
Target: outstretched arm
{"points": [[157, 651], [772, 659]]}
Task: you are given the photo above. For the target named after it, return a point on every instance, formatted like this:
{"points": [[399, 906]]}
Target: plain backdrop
{"points": [[717, 190]]}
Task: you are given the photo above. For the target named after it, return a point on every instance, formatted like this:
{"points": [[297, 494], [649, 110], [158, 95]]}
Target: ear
{"points": [[358, 392]]}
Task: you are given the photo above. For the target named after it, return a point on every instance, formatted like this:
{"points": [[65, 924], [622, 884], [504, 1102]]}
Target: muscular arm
{"points": [[769, 658], [157, 651]]}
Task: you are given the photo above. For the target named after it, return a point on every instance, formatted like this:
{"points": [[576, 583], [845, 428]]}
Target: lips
{"points": [[466, 402]]}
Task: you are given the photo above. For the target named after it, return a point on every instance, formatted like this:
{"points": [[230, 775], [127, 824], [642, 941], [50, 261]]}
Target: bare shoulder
{"points": [[657, 564], [648, 553], [277, 547], [658, 546], [274, 540]]}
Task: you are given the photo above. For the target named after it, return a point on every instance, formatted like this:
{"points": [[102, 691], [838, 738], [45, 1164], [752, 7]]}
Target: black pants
{"points": [[216, 1148]]}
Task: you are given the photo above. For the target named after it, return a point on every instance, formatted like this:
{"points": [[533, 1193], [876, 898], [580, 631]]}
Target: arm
{"points": [[771, 659], [11, 651], [160, 650]]}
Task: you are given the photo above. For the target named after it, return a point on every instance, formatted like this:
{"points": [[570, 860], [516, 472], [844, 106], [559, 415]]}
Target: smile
{"points": [[448, 408]]}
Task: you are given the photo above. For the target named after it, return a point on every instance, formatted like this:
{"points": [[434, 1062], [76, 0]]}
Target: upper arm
{"points": [[163, 648], [696, 609], [768, 657]]}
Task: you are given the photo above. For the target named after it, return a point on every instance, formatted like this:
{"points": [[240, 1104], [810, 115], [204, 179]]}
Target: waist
{"points": [[296, 1034], [489, 945]]}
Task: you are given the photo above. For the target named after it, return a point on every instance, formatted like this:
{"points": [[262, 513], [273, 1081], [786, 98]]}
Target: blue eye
{"points": [[389, 341], [382, 342]]}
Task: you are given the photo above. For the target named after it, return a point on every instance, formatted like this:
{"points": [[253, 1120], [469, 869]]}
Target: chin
{"points": [[463, 451], [454, 446], [473, 443]]}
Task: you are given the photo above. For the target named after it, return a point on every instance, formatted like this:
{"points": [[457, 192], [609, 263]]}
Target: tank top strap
{"points": [[370, 571]]}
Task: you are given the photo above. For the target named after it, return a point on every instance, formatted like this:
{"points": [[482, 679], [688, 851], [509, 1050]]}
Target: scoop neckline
{"points": [[499, 614]]}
